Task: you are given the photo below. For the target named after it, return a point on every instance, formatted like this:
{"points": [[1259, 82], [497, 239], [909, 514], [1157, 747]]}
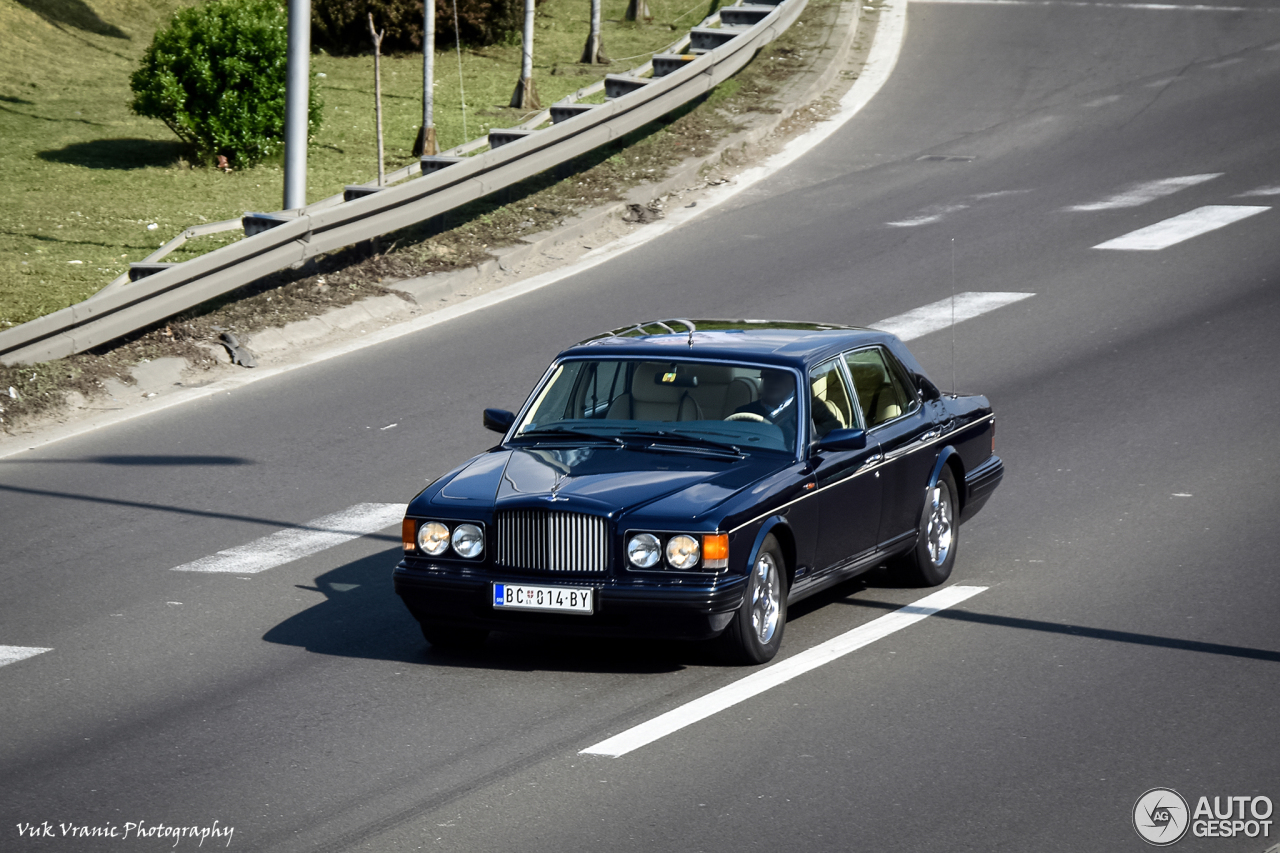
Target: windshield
{"points": [[731, 407]]}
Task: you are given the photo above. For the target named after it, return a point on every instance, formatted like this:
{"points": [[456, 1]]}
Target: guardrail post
{"points": [[564, 112], [351, 192], [142, 269], [669, 63], [617, 85], [745, 15], [256, 223], [706, 38], [433, 164], [499, 137]]}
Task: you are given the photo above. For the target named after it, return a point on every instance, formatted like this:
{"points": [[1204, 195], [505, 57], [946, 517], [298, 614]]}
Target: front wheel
{"points": [[931, 561], [755, 634]]}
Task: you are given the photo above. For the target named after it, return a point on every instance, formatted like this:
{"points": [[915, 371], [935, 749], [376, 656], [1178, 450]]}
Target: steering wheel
{"points": [[747, 416]]}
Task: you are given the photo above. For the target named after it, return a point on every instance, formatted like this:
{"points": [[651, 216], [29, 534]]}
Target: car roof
{"points": [[770, 341]]}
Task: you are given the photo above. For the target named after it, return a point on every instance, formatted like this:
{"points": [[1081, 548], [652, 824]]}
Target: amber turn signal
{"points": [[408, 534], [715, 551]]}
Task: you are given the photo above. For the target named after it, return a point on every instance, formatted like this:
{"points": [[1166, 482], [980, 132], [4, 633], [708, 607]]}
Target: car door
{"points": [[848, 487], [905, 433]]}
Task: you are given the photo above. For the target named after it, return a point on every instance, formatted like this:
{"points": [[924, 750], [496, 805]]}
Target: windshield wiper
{"points": [[555, 431], [663, 435]]}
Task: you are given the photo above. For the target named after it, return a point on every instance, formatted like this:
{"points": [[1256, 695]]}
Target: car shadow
{"points": [[123, 154], [362, 617]]}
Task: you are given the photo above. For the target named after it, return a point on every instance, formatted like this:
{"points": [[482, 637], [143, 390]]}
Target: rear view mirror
{"points": [[843, 439], [498, 420]]}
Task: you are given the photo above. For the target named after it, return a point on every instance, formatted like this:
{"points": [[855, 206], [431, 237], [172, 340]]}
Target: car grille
{"points": [[545, 540]]}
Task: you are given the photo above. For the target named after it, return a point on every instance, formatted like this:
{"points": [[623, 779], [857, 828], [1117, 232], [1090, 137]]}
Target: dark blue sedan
{"points": [[692, 479]]}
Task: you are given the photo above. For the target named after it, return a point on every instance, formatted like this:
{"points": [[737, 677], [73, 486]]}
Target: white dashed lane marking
{"points": [[294, 543], [13, 654], [780, 673], [930, 215], [1193, 223], [1140, 194], [1261, 192], [937, 316]]}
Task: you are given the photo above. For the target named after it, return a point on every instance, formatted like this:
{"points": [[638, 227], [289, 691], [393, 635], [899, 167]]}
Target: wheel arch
{"points": [[776, 525], [950, 458]]}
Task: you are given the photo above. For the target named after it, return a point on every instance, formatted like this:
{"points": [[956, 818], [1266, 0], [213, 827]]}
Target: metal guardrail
{"points": [[333, 224]]}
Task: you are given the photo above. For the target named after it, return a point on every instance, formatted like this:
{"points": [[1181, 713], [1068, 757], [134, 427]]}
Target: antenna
{"points": [[953, 316]]}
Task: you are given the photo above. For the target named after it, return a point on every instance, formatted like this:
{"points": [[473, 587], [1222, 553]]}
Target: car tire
{"points": [[452, 637], [755, 634], [934, 555]]}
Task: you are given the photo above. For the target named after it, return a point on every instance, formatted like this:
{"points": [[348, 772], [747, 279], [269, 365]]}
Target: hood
{"points": [[600, 480]]}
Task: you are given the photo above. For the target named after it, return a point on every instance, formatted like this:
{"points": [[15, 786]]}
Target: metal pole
{"points": [[297, 99], [428, 76]]}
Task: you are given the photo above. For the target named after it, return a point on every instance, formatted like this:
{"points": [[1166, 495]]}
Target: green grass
{"points": [[84, 178]]}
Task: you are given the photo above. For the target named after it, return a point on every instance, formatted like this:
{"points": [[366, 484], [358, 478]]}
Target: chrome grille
{"points": [[551, 541]]}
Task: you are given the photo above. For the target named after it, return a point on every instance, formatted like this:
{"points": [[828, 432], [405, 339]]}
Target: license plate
{"points": [[559, 599]]}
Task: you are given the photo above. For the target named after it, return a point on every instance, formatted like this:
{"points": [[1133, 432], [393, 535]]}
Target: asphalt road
{"points": [[1128, 637]]}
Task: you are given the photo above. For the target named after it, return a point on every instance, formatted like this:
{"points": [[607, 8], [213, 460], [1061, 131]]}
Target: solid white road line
{"points": [[285, 546], [780, 673], [1154, 7], [13, 654], [1193, 223], [939, 315], [1139, 194]]}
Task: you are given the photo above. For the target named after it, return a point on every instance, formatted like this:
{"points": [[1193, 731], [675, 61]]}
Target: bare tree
{"points": [[377, 89], [638, 10], [526, 96], [593, 53]]}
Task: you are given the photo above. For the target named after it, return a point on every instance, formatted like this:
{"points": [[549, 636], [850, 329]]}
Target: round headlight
{"points": [[682, 552], [468, 540], [644, 550], [433, 538]]}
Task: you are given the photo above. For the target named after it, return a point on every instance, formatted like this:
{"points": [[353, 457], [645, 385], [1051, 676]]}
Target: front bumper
{"points": [[446, 596]]}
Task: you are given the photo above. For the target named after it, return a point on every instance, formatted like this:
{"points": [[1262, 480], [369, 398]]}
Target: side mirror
{"points": [[843, 439], [498, 420], [927, 389]]}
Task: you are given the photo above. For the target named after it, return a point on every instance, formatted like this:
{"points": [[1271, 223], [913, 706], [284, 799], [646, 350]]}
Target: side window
{"points": [[880, 385], [830, 400]]}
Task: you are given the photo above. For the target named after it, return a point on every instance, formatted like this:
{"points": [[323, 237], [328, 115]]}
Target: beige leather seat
{"points": [[650, 400], [876, 395], [828, 391], [720, 392]]}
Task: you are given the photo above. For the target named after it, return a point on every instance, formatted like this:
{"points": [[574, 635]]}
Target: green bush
{"points": [[342, 26], [216, 76]]}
